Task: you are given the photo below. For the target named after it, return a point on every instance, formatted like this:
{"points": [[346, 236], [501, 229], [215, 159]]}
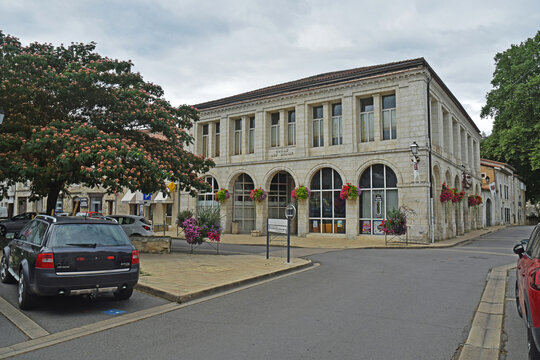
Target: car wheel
{"points": [[25, 299], [534, 354], [5, 276], [3, 230], [123, 294], [518, 304]]}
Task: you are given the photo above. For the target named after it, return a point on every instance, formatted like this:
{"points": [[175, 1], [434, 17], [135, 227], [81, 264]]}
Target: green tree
{"points": [[514, 103], [75, 117]]}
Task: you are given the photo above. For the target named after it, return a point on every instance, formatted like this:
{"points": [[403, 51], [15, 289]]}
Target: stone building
{"points": [[354, 126], [503, 193]]}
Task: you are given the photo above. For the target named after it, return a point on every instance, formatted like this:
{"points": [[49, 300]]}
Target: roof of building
{"points": [[493, 163], [332, 78]]}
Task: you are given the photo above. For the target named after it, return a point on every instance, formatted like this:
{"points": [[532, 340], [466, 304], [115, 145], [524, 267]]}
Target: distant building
{"points": [[354, 126], [503, 194]]}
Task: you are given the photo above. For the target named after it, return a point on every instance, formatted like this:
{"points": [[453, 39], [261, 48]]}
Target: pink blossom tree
{"points": [[73, 116]]}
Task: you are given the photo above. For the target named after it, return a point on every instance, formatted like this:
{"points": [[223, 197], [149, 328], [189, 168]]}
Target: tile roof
{"points": [[332, 78]]}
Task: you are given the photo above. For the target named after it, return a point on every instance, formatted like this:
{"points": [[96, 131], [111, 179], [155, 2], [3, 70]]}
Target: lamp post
{"points": [[414, 150]]}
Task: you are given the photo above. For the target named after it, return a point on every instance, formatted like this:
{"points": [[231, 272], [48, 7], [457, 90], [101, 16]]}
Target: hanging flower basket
{"points": [[474, 200], [446, 194], [222, 195], [258, 194], [457, 197], [301, 193], [349, 191]]}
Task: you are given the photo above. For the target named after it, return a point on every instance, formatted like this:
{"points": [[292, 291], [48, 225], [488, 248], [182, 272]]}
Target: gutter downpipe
{"points": [[431, 219]]}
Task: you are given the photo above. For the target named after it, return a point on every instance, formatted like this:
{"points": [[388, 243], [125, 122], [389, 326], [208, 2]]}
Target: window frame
{"points": [[369, 118], [291, 127], [237, 137], [217, 135], [317, 123], [391, 111], [275, 119], [251, 135], [337, 122]]}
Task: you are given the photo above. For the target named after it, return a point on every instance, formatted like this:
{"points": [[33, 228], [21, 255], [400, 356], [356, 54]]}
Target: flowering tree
{"points": [[75, 117]]}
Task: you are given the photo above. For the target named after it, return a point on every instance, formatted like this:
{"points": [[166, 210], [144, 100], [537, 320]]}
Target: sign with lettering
{"points": [[277, 226]]}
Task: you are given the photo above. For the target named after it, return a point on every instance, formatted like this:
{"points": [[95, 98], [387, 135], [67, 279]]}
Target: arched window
{"points": [[326, 209], [279, 195], [207, 199], [379, 195], [243, 206]]}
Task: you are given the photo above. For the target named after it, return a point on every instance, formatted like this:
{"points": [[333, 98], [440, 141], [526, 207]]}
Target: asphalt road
{"points": [[359, 304]]}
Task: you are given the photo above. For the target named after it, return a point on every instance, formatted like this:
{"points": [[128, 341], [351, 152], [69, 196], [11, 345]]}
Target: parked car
{"points": [[528, 289], [134, 225], [70, 256], [16, 223], [89, 213]]}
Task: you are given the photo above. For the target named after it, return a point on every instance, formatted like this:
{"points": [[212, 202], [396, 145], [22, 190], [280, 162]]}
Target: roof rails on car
{"points": [[46, 217], [105, 218]]}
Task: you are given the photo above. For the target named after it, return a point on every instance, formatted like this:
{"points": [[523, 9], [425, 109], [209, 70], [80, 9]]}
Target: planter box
{"points": [[152, 244]]}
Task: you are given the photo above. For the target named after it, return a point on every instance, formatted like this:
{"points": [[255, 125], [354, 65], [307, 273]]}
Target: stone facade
{"points": [[223, 133], [503, 194]]}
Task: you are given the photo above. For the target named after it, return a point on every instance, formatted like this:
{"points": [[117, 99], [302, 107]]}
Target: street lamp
{"points": [[414, 150], [1, 115], [487, 179]]}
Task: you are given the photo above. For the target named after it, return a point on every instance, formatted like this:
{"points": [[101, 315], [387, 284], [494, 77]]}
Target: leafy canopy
{"points": [[514, 103], [75, 117]]}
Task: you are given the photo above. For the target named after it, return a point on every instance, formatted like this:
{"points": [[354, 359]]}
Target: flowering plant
{"points": [[192, 231], [446, 193], [222, 195], [474, 200], [258, 194], [348, 191], [395, 223], [301, 193], [457, 196], [213, 232]]}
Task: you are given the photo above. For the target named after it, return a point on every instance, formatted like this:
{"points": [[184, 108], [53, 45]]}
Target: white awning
{"points": [[132, 197], [162, 198]]}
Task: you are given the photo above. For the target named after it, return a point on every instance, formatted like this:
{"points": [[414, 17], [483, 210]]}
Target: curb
{"points": [[210, 291], [484, 340]]}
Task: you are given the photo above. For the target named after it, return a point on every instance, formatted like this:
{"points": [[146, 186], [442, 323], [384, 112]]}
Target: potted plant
{"points": [[474, 200], [301, 193], [349, 191], [446, 194], [258, 194], [222, 195]]}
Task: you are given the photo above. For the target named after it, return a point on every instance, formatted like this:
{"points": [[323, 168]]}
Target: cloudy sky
{"points": [[205, 50]]}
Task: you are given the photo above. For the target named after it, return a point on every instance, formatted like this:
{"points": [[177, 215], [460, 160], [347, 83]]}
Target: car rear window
{"points": [[143, 220], [66, 235]]}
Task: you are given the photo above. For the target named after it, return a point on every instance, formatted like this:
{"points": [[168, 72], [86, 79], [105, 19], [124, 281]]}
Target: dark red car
{"points": [[528, 289]]}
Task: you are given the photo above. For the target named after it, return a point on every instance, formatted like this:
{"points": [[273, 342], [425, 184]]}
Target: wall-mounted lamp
{"points": [[487, 179], [414, 151]]}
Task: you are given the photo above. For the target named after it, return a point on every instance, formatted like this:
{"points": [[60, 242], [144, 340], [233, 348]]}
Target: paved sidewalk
{"points": [[183, 276]]}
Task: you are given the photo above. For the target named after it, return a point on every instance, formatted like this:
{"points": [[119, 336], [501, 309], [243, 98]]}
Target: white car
{"points": [[134, 225]]}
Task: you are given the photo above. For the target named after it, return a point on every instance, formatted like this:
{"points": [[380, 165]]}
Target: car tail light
{"points": [[45, 261], [134, 257], [146, 227], [534, 280]]}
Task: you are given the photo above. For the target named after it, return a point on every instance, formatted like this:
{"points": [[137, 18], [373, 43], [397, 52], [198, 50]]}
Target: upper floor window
{"points": [[237, 143], [337, 124], [251, 135], [318, 130], [216, 140], [274, 129], [366, 120], [389, 117], [291, 128], [205, 140]]}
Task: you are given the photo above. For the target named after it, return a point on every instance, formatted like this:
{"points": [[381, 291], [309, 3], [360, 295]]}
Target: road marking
{"points": [[20, 320], [72, 334]]}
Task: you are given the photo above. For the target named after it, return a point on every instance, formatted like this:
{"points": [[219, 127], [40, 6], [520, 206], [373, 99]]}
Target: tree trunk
{"points": [[52, 197]]}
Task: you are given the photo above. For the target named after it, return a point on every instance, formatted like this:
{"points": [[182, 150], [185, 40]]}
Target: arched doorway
{"points": [[488, 212], [378, 184], [243, 206], [326, 208], [279, 196]]}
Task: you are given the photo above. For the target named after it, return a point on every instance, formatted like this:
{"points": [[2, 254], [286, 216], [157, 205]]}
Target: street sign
{"points": [[172, 187], [277, 226], [290, 212], [147, 196]]}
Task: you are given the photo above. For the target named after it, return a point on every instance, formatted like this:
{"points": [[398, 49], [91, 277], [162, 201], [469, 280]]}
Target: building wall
{"points": [[455, 148]]}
